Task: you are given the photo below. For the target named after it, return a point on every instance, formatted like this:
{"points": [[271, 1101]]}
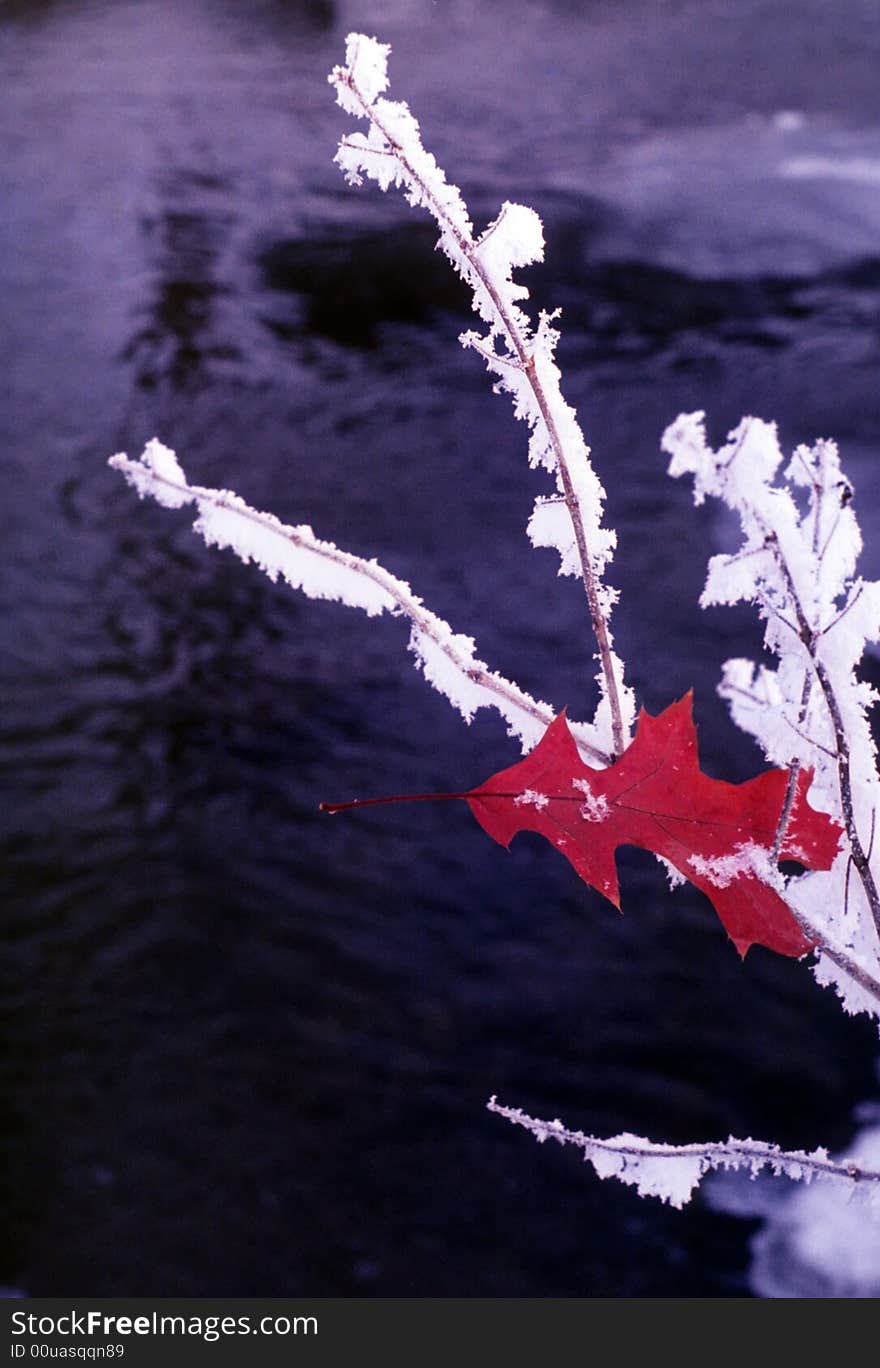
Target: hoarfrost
{"points": [[797, 564], [322, 570], [595, 806], [817, 1240], [746, 859], [673, 1172], [158, 473], [674, 876], [522, 358]]}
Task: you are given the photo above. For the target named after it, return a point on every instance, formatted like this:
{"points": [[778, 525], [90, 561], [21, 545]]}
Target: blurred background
{"points": [[245, 1048]]}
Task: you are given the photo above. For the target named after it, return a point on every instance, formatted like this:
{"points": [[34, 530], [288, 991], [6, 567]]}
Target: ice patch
{"points": [[595, 807], [722, 870], [816, 1241], [789, 120], [857, 170]]}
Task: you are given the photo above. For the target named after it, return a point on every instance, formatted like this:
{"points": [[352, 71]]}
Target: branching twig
{"points": [[809, 639], [789, 576], [847, 607]]}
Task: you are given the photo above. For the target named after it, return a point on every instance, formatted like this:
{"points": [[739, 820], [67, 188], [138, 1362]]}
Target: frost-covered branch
{"points": [[323, 571], [797, 564], [849, 969], [392, 153], [810, 637], [673, 1172]]}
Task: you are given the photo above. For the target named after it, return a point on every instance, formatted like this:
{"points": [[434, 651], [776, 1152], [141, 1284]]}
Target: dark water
{"points": [[245, 1049]]}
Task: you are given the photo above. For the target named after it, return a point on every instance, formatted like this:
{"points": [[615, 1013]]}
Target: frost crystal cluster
{"points": [[797, 564]]}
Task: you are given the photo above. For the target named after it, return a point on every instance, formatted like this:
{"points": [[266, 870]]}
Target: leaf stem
{"points": [[394, 798], [793, 773]]}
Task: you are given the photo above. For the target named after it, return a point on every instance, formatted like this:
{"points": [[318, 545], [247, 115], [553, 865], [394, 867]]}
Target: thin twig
{"points": [[830, 537], [851, 603], [730, 1153], [492, 357], [823, 946], [467, 247], [793, 773], [810, 740], [404, 603], [808, 639]]}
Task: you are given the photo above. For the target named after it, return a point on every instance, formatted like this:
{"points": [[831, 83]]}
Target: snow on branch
{"points": [[323, 571], [674, 1172], [797, 563], [391, 153]]}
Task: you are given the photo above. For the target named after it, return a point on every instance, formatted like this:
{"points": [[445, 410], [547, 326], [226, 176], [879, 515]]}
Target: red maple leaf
{"points": [[719, 836]]}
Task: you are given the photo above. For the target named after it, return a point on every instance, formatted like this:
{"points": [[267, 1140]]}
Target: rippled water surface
{"points": [[244, 1048]]}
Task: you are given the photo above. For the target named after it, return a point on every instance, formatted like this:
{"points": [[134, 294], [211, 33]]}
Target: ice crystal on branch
{"points": [[797, 563], [521, 357], [673, 1172], [321, 570]]}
